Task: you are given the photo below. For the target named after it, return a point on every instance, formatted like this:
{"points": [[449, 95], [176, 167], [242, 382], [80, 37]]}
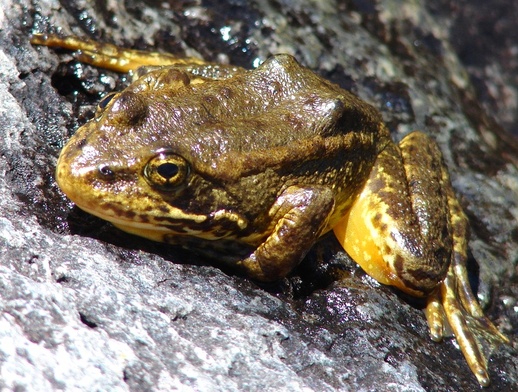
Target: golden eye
{"points": [[166, 171]]}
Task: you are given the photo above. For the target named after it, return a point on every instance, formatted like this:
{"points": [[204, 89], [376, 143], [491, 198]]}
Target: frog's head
{"points": [[132, 165]]}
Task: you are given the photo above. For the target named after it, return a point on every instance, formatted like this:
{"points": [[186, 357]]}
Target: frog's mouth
{"points": [[146, 226]]}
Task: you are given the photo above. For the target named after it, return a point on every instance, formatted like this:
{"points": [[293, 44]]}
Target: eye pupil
{"points": [[167, 170]]}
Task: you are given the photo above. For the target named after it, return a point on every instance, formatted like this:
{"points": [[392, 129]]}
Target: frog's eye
{"points": [[105, 101], [166, 171]]}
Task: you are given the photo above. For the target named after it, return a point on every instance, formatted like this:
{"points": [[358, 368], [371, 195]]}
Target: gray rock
{"points": [[85, 307]]}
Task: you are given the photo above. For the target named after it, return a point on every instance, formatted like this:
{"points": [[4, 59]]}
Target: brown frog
{"points": [[253, 166]]}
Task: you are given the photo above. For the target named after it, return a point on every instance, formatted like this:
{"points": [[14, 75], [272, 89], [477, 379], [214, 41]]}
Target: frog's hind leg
{"points": [[397, 228], [457, 301], [118, 59], [108, 56], [407, 229], [463, 312]]}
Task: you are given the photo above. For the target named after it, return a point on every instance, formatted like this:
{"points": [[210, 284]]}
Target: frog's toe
{"points": [[482, 377], [436, 318]]}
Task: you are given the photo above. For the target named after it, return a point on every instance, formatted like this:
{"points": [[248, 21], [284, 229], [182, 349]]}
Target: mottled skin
{"points": [[252, 167]]}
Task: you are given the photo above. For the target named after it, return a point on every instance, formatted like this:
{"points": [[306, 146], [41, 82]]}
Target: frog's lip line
{"points": [[155, 230], [121, 221], [128, 222]]}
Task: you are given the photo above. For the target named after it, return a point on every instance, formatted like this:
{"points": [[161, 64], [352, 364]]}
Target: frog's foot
{"points": [[407, 229], [454, 306], [123, 60], [109, 56]]}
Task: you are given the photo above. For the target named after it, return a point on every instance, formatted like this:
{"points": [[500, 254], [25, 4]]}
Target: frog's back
{"points": [[278, 104], [278, 113]]}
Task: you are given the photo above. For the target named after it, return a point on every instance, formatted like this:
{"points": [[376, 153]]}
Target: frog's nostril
{"points": [[106, 172]]}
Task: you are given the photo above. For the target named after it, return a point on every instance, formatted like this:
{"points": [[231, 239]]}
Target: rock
{"points": [[85, 307]]}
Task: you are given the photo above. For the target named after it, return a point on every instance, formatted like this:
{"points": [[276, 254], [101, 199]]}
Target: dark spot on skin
{"points": [[275, 87], [115, 208], [81, 143], [384, 227], [311, 100], [155, 200], [163, 209], [104, 139], [226, 92], [176, 228], [130, 214], [395, 210], [210, 99], [387, 250], [143, 218], [174, 76], [398, 264], [386, 195], [411, 148], [373, 204], [377, 184]]}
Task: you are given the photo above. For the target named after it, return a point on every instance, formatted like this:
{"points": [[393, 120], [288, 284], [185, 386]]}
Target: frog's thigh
{"points": [[301, 215], [398, 227]]}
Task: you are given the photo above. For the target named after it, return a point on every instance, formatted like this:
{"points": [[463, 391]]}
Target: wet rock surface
{"points": [[86, 307]]}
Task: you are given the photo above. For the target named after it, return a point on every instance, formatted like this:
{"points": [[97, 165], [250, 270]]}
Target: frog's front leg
{"points": [[407, 229], [301, 215]]}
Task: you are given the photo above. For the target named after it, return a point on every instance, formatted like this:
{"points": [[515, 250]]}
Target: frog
{"points": [[253, 166]]}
